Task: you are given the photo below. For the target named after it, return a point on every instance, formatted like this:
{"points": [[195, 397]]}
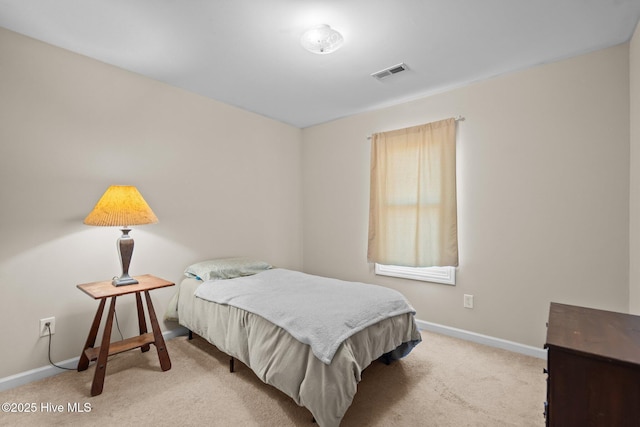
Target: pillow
{"points": [[226, 268]]}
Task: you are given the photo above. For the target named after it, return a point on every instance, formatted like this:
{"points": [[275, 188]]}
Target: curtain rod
{"points": [[457, 119]]}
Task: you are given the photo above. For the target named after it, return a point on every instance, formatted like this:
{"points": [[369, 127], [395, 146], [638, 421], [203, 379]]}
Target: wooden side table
{"points": [[103, 291]]}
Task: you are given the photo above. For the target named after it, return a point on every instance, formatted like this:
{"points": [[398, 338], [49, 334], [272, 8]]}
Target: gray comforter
{"points": [[318, 311]]}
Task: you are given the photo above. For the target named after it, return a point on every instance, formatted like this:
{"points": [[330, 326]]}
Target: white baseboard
{"points": [[26, 377], [483, 339]]}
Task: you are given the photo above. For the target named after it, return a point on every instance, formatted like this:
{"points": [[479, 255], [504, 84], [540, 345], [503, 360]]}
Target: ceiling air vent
{"points": [[388, 72]]}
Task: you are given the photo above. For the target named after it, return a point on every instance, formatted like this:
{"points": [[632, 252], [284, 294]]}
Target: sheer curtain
{"points": [[412, 211]]}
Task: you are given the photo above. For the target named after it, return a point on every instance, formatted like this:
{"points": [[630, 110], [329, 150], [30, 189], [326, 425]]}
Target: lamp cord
{"points": [[118, 325], [50, 361], [73, 369]]}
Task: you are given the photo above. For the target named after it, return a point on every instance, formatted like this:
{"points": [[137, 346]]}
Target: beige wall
{"points": [[221, 180], [634, 195], [543, 190]]}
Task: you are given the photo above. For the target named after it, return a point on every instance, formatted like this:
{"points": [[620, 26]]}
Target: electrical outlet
{"points": [[468, 301], [44, 330]]}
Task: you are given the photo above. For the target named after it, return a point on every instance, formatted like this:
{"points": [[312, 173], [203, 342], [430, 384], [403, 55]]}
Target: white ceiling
{"points": [[247, 53]]}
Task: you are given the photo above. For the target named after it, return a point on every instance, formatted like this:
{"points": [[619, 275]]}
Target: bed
{"points": [[217, 301]]}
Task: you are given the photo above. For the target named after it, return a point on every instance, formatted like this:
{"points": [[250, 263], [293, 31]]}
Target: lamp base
{"points": [[124, 280], [125, 249]]}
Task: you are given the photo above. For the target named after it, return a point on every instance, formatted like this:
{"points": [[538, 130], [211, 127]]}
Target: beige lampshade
{"points": [[121, 205]]}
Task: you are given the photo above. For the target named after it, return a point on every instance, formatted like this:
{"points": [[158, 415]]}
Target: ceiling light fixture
{"points": [[322, 40]]}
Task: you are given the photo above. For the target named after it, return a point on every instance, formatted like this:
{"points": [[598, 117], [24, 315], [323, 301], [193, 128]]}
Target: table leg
{"points": [[83, 364], [163, 355], [101, 364], [142, 323]]}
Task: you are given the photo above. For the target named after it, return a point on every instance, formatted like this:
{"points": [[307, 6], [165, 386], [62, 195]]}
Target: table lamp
{"points": [[122, 206]]}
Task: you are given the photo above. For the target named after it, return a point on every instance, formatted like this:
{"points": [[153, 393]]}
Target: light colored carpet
{"points": [[443, 382]]}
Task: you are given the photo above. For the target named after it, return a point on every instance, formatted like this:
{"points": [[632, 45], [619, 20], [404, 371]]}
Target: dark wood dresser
{"points": [[593, 368]]}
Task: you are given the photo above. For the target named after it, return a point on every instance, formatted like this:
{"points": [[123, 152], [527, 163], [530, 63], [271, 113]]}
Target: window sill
{"points": [[445, 275]]}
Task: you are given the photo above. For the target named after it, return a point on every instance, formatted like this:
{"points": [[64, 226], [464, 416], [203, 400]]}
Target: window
{"points": [[412, 214]]}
